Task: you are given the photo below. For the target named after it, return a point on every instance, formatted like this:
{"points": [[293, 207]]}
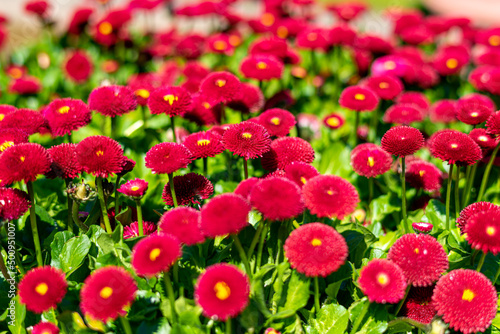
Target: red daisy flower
{"points": [[245, 187], [386, 86], [14, 204], [313, 39], [6, 109], [204, 110], [166, 158], [483, 138], [132, 230], [106, 292], [80, 20], [482, 229], [421, 257], [247, 139], [261, 67], [382, 281], [112, 100], [100, 156], [219, 43], [493, 124], [455, 147], [66, 115], [45, 327], [26, 85], [143, 84], [359, 98], [370, 160], [348, 11], [419, 305], [38, 7], [64, 162], [316, 249], [23, 162], [415, 98], [155, 254], [402, 141], [404, 113], [330, 196], [189, 188], [11, 137], [222, 291], [450, 59], [267, 45], [470, 211], [249, 100], [204, 144], [134, 188], [424, 175], [422, 227], [277, 198], [285, 151], [474, 109], [30, 121], [172, 101], [184, 223], [278, 122], [466, 299], [78, 66], [443, 111], [42, 288], [221, 86], [224, 214], [334, 121], [127, 166], [300, 172]]}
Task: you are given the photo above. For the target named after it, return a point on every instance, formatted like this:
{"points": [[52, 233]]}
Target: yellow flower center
{"points": [[206, 105], [452, 63], [303, 180], [371, 161], [454, 145], [170, 98], [99, 153], [22, 158], [154, 254], [468, 295], [234, 40], [106, 292], [42, 289], [383, 279], [275, 120], [15, 73], [383, 85], [6, 145], [2, 116], [134, 188], [267, 19], [359, 97], [389, 65], [222, 290], [282, 32], [490, 230], [203, 142], [312, 36], [105, 28], [316, 242], [220, 45], [330, 192], [144, 93], [416, 250], [483, 138], [474, 114], [421, 173], [333, 121], [63, 110], [494, 40], [246, 135], [220, 82], [261, 65]]}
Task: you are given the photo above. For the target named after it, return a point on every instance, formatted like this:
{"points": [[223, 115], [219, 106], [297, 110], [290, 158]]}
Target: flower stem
{"points": [[373, 126], [126, 325], [74, 212], [261, 246], [172, 125], [403, 300], [171, 296], [104, 212], [316, 294], [457, 189], [205, 166], [3, 268], [355, 132], [70, 208], [481, 262], [487, 173], [360, 317], [228, 326], [139, 217], [470, 182], [245, 167], [255, 240], [117, 200], [448, 195], [403, 195], [34, 227], [370, 190], [242, 253], [172, 189]]}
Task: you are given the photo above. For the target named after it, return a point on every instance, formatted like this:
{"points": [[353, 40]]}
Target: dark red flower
{"points": [[300, 172], [66, 115], [382, 281], [112, 100], [26, 85], [11, 137], [106, 292], [38, 7], [424, 175], [219, 43], [404, 113], [483, 138], [42, 288], [474, 109], [402, 141], [189, 188], [348, 11], [249, 100], [143, 84], [272, 46], [64, 161], [482, 229], [278, 122], [80, 20], [490, 37], [422, 227], [172, 101], [386, 86], [261, 67], [184, 223], [6, 109], [493, 124], [470, 211], [166, 158], [245, 187], [222, 291], [416, 98], [419, 305], [285, 151], [204, 144], [127, 166], [359, 98], [224, 214], [223, 87], [247, 139], [443, 111], [14, 203], [370, 160], [27, 120], [316, 249], [421, 258], [330, 196], [100, 156], [454, 147], [450, 59], [23, 162], [132, 230], [334, 121], [134, 188], [466, 299], [313, 39], [45, 327], [78, 66], [155, 254]]}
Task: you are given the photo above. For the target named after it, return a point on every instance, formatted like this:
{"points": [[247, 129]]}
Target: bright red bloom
{"points": [[482, 229], [313, 39], [132, 230], [14, 204], [134, 188], [172, 101], [220, 44], [416, 98], [300, 172], [26, 85], [106, 292], [285, 151], [223, 87], [334, 121], [455, 147], [470, 211], [483, 138], [204, 144], [348, 11], [386, 86], [261, 67], [443, 111], [466, 299], [404, 113], [224, 214], [370, 160], [373, 43], [421, 258], [66, 115], [424, 175], [127, 166], [64, 162], [11, 137], [78, 66], [38, 7], [166, 158], [330, 196], [189, 188], [184, 223], [245, 187], [402, 141], [249, 100], [45, 327], [112, 100], [382, 281], [42, 288], [247, 139], [30, 121], [316, 249], [419, 305], [80, 20], [278, 122], [422, 227], [204, 110], [277, 198], [450, 59], [493, 124], [143, 84], [100, 156], [359, 98], [155, 254], [6, 109], [222, 291], [474, 109], [23, 162], [271, 46]]}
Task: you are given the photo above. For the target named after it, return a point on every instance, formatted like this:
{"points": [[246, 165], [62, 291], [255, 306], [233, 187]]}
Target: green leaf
{"points": [[16, 323], [298, 292], [383, 206], [73, 253], [331, 319], [56, 247]]}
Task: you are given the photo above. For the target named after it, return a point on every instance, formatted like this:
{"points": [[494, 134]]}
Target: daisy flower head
{"points": [[247, 139], [135, 188], [66, 115], [11, 137], [224, 214], [370, 160], [132, 230], [386, 86], [78, 66], [471, 210], [382, 281], [333, 121], [42, 288], [261, 67], [359, 98], [482, 230], [64, 162], [424, 175], [112, 100], [300, 172], [184, 223], [402, 141], [222, 86], [278, 122], [454, 147], [286, 150], [100, 156], [204, 144], [189, 188], [172, 101], [14, 202], [45, 327], [23, 162], [155, 254], [166, 158]]}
